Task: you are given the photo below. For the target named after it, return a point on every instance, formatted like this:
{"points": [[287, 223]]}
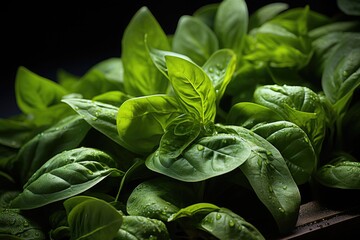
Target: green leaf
{"points": [[65, 135], [269, 177], [207, 13], [341, 172], [34, 92], [115, 98], [193, 88], [15, 225], [220, 68], [141, 121], [231, 24], [224, 224], [65, 175], [194, 209], [341, 74], [141, 77], [249, 114], [194, 39], [100, 116], [159, 198], [113, 70], [349, 7], [293, 144], [203, 159], [296, 104], [92, 218], [265, 13], [138, 228]]}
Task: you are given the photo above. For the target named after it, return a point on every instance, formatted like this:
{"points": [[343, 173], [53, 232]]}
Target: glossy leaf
{"points": [[139, 227], [159, 198], [92, 218], [115, 98], [220, 68], [294, 145], [113, 71], [148, 115], [269, 177], [203, 159], [194, 39], [231, 24], [193, 88], [265, 13], [224, 224], [65, 175], [141, 77], [65, 135], [194, 209], [341, 172], [207, 13]]}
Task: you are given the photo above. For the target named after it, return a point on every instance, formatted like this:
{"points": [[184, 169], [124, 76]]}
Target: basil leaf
{"points": [[139, 227], [341, 172], [203, 159], [341, 74], [64, 175], [141, 121], [265, 13], [269, 177], [207, 13], [140, 75], [192, 210], [193, 88], [349, 7], [115, 98], [65, 135], [220, 68], [194, 39], [294, 145], [224, 224], [231, 24], [99, 219], [159, 198]]}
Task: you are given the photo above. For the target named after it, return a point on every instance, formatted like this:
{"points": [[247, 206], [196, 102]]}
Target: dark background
{"points": [[46, 36]]}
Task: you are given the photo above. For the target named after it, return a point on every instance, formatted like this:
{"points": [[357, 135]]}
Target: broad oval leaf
{"points": [[220, 68], [65, 135], [92, 218], [115, 98], [141, 121], [293, 144], [65, 175], [231, 24], [224, 224], [203, 159], [341, 74], [159, 198], [194, 39], [265, 13], [193, 88], [139, 227], [141, 77], [269, 177], [342, 172]]}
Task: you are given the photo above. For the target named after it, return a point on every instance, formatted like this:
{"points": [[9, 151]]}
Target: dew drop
{"points": [[281, 209], [218, 216], [200, 147], [211, 69], [26, 224], [94, 118], [231, 223], [284, 187]]}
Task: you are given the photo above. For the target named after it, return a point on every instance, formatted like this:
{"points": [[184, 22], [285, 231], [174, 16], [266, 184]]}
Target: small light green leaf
{"points": [[265, 13], [192, 210]]}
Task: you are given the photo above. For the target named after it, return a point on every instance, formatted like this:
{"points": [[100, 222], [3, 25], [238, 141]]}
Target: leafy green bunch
{"points": [[208, 133]]}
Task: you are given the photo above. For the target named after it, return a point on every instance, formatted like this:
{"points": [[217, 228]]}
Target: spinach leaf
{"points": [[159, 198], [225, 224], [148, 115], [139, 227], [231, 24], [341, 172], [205, 158], [269, 177], [193, 88], [65, 175], [194, 39], [193, 210], [294, 145], [140, 75], [65, 135], [99, 219]]}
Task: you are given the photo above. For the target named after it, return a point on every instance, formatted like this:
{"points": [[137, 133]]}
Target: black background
{"points": [[45, 36]]}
